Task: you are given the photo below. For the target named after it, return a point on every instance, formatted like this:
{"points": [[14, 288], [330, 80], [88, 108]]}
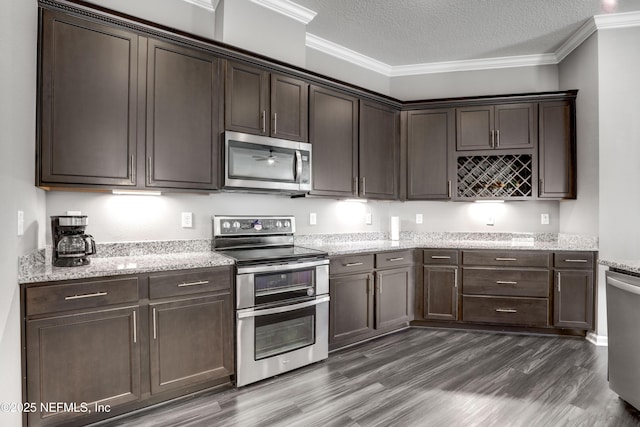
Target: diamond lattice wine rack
{"points": [[503, 177]]}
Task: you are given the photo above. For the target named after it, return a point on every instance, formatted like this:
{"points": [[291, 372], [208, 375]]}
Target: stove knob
{"points": [[226, 225], [278, 224], [236, 225], [287, 224]]}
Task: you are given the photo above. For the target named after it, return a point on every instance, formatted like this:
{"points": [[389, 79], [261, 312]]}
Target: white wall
{"points": [[579, 71], [479, 82], [18, 31], [177, 14]]}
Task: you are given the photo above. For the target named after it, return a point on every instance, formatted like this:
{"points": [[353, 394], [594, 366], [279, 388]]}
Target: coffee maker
{"points": [[71, 246]]}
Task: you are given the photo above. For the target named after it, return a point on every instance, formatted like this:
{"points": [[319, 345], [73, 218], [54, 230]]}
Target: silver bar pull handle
{"points": [[576, 260], [449, 188], [251, 312], [201, 282], [440, 257], [379, 280], [493, 139], [364, 186], [275, 123], [559, 283], [264, 121], [135, 328], [540, 185], [506, 259], [131, 165], [352, 264], [505, 282], [395, 259], [96, 294], [355, 181], [497, 138], [506, 310], [455, 277], [149, 174], [155, 334]]}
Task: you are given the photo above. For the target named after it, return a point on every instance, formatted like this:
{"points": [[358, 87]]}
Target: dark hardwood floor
{"points": [[422, 377]]}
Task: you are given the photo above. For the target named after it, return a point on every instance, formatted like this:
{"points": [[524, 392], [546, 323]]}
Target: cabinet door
{"points": [[573, 299], [430, 135], [88, 103], [289, 108], [515, 126], [351, 307], [393, 299], [205, 353], [379, 126], [440, 293], [90, 357], [333, 134], [183, 123], [557, 150], [246, 99], [474, 127]]}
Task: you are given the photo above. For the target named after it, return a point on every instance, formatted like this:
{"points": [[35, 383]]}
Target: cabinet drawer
{"points": [[187, 283], [440, 256], [521, 283], [506, 258], [351, 264], [576, 260], [511, 311], [75, 296], [394, 259]]}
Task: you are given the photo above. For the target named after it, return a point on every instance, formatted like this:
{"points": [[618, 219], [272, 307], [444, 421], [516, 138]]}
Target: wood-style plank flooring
{"points": [[422, 377]]}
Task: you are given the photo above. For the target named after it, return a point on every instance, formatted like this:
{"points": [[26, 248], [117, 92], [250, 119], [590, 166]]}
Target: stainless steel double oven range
{"points": [[282, 295]]}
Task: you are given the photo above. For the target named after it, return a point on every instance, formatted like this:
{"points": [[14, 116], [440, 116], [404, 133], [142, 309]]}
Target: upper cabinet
{"points": [[333, 134], [265, 103], [430, 136], [557, 150], [88, 101], [378, 151], [184, 94], [502, 126]]}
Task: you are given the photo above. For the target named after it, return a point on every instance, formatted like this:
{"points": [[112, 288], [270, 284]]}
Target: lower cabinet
{"points": [[98, 347], [370, 295], [440, 284]]}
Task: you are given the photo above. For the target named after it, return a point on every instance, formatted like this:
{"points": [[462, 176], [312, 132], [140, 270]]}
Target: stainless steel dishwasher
{"points": [[623, 324]]}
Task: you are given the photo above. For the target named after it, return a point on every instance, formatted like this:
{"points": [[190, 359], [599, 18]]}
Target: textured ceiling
{"points": [[404, 32]]}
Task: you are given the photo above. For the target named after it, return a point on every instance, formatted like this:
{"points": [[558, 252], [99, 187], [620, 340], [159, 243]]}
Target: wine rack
{"points": [[502, 177]]}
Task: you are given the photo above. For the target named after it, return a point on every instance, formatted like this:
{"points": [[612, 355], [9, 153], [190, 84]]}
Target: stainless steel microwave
{"points": [[255, 162]]}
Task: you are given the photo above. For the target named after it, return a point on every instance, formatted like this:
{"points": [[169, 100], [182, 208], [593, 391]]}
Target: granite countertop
{"points": [[627, 265]]}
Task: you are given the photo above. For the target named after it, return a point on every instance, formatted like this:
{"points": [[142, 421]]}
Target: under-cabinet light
{"points": [[136, 192], [489, 201], [356, 200]]}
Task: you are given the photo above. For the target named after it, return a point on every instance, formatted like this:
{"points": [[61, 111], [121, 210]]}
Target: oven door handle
{"points": [[251, 312], [281, 267]]}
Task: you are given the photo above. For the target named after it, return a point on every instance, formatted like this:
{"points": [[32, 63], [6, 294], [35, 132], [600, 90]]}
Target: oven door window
{"points": [[276, 287], [284, 332], [261, 162]]}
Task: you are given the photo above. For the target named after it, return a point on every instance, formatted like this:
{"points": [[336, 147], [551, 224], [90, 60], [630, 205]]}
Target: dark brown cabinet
{"points": [[265, 103], [440, 284], [502, 126], [184, 96], [88, 102], [557, 150], [378, 151], [333, 134], [430, 136], [573, 290], [394, 297], [351, 307]]}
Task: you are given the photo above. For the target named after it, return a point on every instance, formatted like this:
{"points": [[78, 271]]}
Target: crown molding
{"points": [[598, 22], [341, 52], [204, 4], [289, 9]]}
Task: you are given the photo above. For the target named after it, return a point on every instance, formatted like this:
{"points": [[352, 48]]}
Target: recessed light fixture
{"points": [[136, 192]]}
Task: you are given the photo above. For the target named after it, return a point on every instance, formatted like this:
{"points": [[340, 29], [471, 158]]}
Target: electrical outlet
{"points": [[20, 223], [313, 219], [544, 219], [419, 218], [491, 221], [367, 219], [187, 220]]}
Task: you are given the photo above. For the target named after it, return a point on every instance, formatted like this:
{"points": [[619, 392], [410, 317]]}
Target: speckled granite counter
{"points": [[125, 258], [349, 243], [629, 266]]}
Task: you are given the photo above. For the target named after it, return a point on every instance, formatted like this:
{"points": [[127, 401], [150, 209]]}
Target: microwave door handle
{"points": [[298, 166]]}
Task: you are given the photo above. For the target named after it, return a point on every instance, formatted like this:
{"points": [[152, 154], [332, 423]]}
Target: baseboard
{"points": [[599, 340]]}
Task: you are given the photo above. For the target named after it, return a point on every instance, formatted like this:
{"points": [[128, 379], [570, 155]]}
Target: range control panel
{"points": [[252, 225]]}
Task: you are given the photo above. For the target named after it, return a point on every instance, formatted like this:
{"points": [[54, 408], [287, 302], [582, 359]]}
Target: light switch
{"points": [[544, 219]]}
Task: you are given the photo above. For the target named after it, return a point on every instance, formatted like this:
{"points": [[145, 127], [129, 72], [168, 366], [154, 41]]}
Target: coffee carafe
{"points": [[71, 246]]}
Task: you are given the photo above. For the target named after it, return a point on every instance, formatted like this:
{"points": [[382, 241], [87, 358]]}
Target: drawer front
{"points": [[351, 264], [80, 295], [440, 256], [163, 285], [507, 311], [507, 282], [394, 259], [577, 260], [506, 258]]}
